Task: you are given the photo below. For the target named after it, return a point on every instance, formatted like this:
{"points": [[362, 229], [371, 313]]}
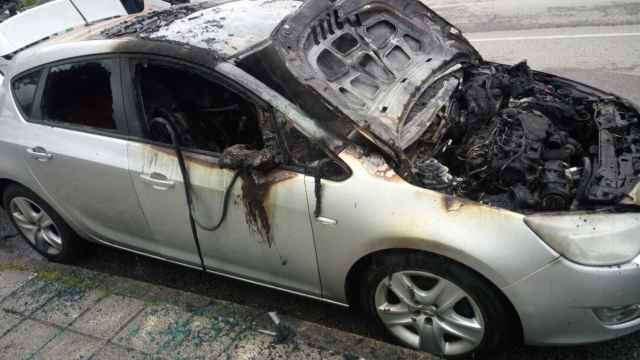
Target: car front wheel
{"points": [[41, 227], [435, 305]]}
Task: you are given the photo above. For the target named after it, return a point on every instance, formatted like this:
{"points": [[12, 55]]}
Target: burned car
{"points": [[357, 152]]}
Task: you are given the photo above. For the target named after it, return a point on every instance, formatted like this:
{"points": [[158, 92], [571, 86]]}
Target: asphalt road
{"points": [[594, 41]]}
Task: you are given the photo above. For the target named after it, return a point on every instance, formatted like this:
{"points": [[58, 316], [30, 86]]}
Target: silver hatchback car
{"points": [[359, 152]]}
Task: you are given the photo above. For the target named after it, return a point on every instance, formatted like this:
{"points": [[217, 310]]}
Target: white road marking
{"points": [[552, 37], [447, 6]]}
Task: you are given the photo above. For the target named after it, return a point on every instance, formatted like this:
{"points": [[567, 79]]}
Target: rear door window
{"points": [[81, 94], [24, 90]]}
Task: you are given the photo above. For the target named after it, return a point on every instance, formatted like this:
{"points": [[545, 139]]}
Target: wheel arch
{"points": [[4, 184], [355, 273]]}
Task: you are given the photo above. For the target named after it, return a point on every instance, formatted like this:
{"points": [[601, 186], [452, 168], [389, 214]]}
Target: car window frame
{"points": [[135, 121], [36, 117], [134, 113], [36, 93]]}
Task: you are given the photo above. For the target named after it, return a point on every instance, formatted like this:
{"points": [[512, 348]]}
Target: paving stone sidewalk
{"points": [[51, 311]]}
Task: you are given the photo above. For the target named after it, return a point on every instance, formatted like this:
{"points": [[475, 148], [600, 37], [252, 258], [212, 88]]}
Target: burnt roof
{"points": [[224, 27]]}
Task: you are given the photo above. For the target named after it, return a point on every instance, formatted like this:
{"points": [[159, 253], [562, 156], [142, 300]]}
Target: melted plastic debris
{"points": [[145, 25], [242, 157], [253, 166], [526, 141]]}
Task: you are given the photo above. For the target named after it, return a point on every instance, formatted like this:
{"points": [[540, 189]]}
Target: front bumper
{"points": [[556, 303]]}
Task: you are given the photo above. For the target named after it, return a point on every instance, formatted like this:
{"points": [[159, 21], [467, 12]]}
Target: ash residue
{"points": [[254, 194], [529, 141], [152, 22], [242, 157]]}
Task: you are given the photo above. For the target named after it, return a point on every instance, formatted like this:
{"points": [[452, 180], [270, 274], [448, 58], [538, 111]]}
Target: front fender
{"points": [[376, 210]]}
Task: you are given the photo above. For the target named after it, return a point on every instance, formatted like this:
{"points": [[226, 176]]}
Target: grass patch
{"points": [[11, 266], [68, 280]]}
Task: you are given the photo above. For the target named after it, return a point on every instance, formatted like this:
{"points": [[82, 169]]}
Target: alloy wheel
{"points": [[429, 313], [36, 225]]}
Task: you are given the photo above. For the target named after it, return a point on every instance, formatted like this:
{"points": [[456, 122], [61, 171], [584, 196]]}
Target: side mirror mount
{"points": [[324, 168], [327, 168], [320, 167]]}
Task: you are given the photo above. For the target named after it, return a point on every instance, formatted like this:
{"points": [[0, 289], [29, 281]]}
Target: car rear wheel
{"points": [[41, 227], [435, 305]]}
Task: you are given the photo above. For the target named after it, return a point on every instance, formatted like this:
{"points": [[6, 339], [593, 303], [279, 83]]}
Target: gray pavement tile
{"points": [[320, 336], [183, 299], [295, 343], [230, 313], [108, 316], [252, 345], [302, 351], [155, 329], [155, 293], [377, 350], [206, 338], [130, 288], [12, 280], [115, 352], [30, 297], [68, 305], [69, 345], [25, 339], [7, 321]]}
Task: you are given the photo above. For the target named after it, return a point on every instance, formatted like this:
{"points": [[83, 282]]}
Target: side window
{"points": [[80, 94], [209, 116], [24, 89]]}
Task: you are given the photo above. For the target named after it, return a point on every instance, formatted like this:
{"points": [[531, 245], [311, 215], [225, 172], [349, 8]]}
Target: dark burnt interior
{"points": [[210, 117], [90, 85], [530, 141]]}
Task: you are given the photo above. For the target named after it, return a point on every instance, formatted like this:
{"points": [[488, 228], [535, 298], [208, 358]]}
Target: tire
{"points": [[42, 228], [397, 312]]}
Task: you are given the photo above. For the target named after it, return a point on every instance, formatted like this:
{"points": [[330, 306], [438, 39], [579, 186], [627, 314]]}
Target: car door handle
{"points": [[326, 221], [39, 153], [158, 181]]}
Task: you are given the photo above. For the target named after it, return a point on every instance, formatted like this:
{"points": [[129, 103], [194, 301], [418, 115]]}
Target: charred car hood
{"points": [[373, 60]]}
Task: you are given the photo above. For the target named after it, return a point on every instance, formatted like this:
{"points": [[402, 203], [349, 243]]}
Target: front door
{"points": [[266, 234]]}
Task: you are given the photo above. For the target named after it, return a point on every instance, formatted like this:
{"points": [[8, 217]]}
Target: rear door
{"points": [[76, 147]]}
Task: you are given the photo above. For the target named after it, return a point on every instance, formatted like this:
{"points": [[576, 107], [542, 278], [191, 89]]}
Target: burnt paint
{"points": [[256, 187], [190, 157], [254, 193], [149, 23], [453, 203]]}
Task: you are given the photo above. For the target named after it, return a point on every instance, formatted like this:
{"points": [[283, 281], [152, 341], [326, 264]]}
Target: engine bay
{"points": [[529, 141]]}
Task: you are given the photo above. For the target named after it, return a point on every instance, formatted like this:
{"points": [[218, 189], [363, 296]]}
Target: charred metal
{"points": [[150, 23], [399, 80], [445, 119], [523, 140]]}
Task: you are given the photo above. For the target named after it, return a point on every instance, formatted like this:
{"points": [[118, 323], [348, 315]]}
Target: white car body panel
{"points": [[51, 18]]}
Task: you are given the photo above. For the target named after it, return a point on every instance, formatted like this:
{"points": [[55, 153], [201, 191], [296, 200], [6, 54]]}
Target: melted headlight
{"points": [[590, 239]]}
